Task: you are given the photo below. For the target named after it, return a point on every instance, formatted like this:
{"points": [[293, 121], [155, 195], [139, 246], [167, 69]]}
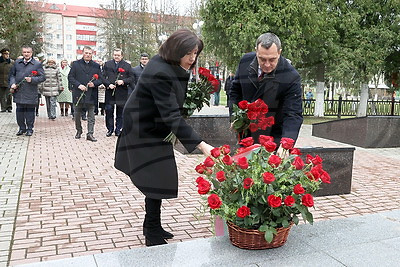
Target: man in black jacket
{"points": [[267, 75], [117, 76], [144, 59], [85, 76]]}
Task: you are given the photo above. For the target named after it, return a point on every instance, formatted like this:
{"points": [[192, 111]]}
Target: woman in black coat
{"points": [[150, 114]]}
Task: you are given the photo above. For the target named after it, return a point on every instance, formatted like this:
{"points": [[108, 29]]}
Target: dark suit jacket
{"points": [[137, 71], [82, 73], [280, 90], [110, 72], [152, 111]]}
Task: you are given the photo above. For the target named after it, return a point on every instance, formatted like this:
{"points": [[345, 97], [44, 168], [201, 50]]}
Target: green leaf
{"points": [[269, 235]]}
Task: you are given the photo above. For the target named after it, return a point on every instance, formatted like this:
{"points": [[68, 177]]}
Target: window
{"points": [[69, 46], [59, 56], [49, 54], [86, 37], [58, 36], [68, 36], [69, 56], [49, 36], [59, 26], [59, 46], [49, 26]]}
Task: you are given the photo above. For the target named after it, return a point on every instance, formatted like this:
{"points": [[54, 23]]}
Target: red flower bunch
{"points": [[199, 92], [251, 116], [256, 189], [33, 73], [120, 71], [94, 77]]}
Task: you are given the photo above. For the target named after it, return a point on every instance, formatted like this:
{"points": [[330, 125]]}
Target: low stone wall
{"points": [[338, 162], [367, 132], [214, 129]]}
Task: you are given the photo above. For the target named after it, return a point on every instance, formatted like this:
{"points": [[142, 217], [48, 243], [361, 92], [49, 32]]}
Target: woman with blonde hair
{"points": [[51, 87]]}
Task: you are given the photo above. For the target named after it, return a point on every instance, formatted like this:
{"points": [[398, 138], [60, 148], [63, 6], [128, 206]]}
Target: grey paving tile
{"points": [[86, 261]]}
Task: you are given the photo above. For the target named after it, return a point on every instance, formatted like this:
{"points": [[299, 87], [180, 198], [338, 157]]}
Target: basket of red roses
{"points": [[258, 193]]}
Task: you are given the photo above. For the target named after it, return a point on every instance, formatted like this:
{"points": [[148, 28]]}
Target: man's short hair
{"points": [[87, 48], [27, 47], [144, 55], [119, 50], [4, 50], [267, 39]]}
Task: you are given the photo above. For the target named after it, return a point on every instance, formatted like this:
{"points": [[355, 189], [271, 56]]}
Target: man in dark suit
{"points": [[137, 71], [117, 76], [85, 76], [266, 74]]}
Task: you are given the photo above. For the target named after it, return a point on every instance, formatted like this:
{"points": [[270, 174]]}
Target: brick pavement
{"points": [[73, 202]]}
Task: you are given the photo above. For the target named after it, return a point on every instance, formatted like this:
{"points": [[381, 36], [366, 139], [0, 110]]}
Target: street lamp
{"points": [[197, 25]]}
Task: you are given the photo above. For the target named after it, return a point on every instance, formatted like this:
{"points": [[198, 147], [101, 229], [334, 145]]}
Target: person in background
{"points": [[265, 74], [65, 96], [309, 97], [6, 64], [216, 93], [85, 76], [144, 59], [117, 76], [25, 76], [152, 112], [102, 93], [227, 87], [51, 87]]}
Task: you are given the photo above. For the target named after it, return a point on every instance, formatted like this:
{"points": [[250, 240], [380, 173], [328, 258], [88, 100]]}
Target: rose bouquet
{"points": [[33, 73], [250, 117], [256, 189], [95, 77], [197, 95]]}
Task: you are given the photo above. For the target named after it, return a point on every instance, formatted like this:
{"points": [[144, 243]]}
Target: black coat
{"points": [[280, 90], [110, 72], [152, 111], [82, 73], [137, 71]]}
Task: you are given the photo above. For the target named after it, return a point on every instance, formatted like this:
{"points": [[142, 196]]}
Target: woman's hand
{"points": [[205, 148]]}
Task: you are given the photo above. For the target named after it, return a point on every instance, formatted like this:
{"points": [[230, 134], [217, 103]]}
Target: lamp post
{"points": [[197, 25]]}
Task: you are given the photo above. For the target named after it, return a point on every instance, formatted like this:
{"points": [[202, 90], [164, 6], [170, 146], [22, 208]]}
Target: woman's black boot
{"points": [[152, 222]]}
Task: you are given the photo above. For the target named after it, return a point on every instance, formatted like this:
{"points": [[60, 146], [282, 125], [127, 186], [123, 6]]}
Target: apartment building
{"points": [[67, 29]]}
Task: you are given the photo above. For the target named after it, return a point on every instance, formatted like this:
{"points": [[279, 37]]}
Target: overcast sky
{"points": [[182, 4]]}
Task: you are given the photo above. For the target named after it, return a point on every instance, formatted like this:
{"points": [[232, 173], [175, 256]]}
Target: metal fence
{"points": [[342, 107]]}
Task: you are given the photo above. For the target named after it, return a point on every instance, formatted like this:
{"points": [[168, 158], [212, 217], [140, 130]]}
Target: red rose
{"points": [[295, 151], [270, 121], [307, 200], [209, 171], [298, 189], [95, 76], [274, 201], [268, 177], [34, 73], [325, 177], [220, 176], [247, 183], [225, 149], [242, 162], [243, 211], [214, 202], [247, 141], [252, 115], [215, 152], [208, 162], [274, 161], [315, 161], [200, 168], [264, 138], [121, 70], [243, 104], [289, 201], [200, 179], [287, 143], [298, 163], [228, 160], [203, 187], [316, 172], [269, 146], [253, 127]]}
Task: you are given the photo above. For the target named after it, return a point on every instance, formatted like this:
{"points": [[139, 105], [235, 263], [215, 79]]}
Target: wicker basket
{"points": [[254, 239]]}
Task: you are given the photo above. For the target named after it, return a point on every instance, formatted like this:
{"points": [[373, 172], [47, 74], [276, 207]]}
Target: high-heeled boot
{"points": [[152, 222], [62, 111], [66, 112]]}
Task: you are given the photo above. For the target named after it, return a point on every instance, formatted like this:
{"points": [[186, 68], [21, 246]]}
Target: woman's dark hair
{"points": [[178, 45]]}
